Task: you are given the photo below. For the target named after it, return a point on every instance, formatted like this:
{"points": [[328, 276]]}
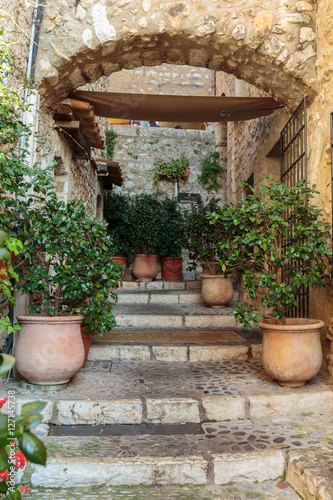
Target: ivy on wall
{"points": [[212, 172]]}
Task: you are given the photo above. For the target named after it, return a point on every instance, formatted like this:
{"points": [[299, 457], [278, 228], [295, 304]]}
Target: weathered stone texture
{"points": [[97, 37]]}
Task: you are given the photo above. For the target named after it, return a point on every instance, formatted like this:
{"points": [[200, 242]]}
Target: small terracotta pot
{"points": [[172, 268], [216, 290], [49, 350], [145, 266], [86, 339], [292, 353], [121, 261]]}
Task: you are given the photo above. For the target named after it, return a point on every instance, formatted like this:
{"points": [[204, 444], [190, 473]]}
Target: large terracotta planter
{"points": [[216, 290], [49, 351], [121, 261], [145, 266], [86, 339], [292, 353], [172, 268]]}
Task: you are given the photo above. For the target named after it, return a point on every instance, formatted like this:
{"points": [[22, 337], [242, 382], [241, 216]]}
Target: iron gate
{"points": [[294, 169]]}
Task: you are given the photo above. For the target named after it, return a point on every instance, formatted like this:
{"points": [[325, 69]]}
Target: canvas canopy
{"points": [[176, 108]]}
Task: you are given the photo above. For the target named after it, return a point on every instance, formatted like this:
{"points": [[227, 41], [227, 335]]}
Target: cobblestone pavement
{"points": [[157, 379], [267, 490]]}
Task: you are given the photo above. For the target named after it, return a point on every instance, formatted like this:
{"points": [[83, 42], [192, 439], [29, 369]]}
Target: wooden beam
{"points": [[68, 124]]}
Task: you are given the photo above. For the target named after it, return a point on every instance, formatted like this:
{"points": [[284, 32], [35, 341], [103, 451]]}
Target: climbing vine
{"points": [[110, 142], [212, 172]]}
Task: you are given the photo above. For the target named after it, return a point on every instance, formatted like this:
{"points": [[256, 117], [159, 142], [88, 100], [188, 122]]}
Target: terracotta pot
{"points": [[216, 290], [145, 266], [121, 261], [49, 351], [292, 353], [86, 339], [172, 268]]}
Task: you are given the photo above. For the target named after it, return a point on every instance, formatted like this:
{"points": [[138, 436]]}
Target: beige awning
{"points": [[176, 108]]}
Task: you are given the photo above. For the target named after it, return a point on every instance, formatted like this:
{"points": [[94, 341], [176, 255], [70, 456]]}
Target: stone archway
{"points": [[272, 47]]}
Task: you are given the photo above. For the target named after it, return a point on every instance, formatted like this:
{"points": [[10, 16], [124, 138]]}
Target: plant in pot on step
{"points": [[201, 239], [146, 216], [170, 247], [67, 275], [287, 252], [117, 214]]}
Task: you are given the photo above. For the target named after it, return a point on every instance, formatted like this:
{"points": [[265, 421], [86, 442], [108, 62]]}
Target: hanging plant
{"points": [[212, 172], [173, 169], [110, 142]]}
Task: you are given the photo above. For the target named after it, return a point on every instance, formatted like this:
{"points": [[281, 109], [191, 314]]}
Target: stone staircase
{"points": [[174, 404]]}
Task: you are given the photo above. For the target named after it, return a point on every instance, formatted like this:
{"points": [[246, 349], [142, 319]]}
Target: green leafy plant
{"points": [[285, 246], [146, 218], [118, 216], [171, 225], [201, 238], [173, 169], [212, 173], [66, 262], [18, 444], [110, 143]]}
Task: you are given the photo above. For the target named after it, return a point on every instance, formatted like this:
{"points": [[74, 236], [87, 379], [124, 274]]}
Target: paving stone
{"points": [[72, 472], [221, 321], [152, 321], [170, 353], [164, 298], [218, 352], [310, 473], [176, 410], [223, 408], [244, 467], [256, 351], [174, 285], [133, 298], [101, 412], [288, 403], [154, 285], [190, 298], [187, 492], [129, 285], [193, 285], [118, 352]]}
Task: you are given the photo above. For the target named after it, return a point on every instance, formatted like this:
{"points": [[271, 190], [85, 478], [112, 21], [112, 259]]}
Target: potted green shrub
{"points": [[170, 247], [67, 275], [285, 238], [201, 239], [118, 215], [173, 169], [146, 216]]}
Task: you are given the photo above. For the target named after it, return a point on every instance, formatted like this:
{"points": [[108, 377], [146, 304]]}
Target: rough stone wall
{"points": [[269, 44], [137, 147]]}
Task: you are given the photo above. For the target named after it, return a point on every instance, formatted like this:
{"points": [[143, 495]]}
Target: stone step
{"points": [[147, 296], [176, 345], [238, 451], [174, 316], [160, 285], [244, 491], [157, 392]]}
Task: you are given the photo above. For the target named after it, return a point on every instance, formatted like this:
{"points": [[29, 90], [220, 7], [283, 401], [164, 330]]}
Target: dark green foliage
{"points": [[146, 218], [118, 215], [171, 226], [173, 169], [201, 238], [67, 265], [262, 224], [110, 143], [212, 172]]}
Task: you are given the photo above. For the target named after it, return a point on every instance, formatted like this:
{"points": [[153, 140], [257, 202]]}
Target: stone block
{"points": [[256, 351], [223, 407], [213, 321], [129, 285], [170, 353], [78, 471], [193, 285], [248, 467], [172, 411], [150, 321], [155, 285], [174, 285], [295, 403], [123, 411], [164, 298], [188, 275], [190, 298], [119, 353], [132, 298], [213, 353], [19, 402]]}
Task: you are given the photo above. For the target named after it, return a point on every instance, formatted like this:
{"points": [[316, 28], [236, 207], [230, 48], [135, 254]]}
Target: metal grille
{"points": [[293, 170]]}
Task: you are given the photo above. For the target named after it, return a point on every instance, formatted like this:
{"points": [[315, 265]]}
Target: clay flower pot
{"points": [[49, 351], [216, 290], [145, 266], [292, 353], [86, 339], [172, 268], [121, 261]]}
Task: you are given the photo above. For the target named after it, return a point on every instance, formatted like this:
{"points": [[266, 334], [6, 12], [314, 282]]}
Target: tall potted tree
{"points": [[201, 239], [171, 226], [67, 275], [285, 238]]}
